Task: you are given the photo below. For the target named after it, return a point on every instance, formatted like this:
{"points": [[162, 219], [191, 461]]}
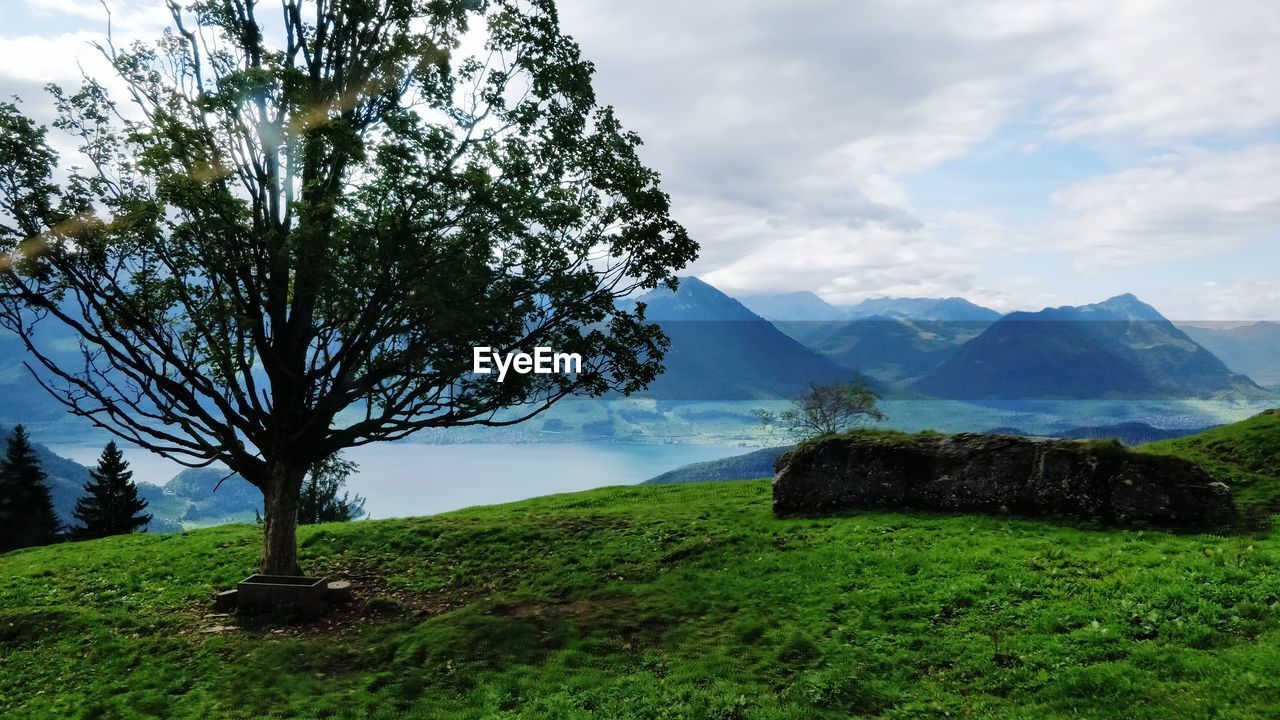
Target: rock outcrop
{"points": [[998, 475]]}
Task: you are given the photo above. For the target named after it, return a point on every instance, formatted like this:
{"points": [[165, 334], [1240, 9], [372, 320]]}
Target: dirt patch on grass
{"points": [[617, 616], [374, 601], [26, 627], [581, 611], [587, 525]]}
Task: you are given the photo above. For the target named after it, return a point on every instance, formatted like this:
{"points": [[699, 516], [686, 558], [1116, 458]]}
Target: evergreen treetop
{"points": [[111, 505]]}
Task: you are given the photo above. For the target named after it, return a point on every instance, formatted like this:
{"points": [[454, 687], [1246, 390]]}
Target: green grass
{"points": [[1245, 456], [659, 602], [882, 435]]}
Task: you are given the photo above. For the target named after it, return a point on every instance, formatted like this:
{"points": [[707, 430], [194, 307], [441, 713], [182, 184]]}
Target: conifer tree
{"points": [[111, 505], [319, 501], [26, 509]]}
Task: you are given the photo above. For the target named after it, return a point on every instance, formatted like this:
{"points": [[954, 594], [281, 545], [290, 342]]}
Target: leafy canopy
{"points": [[826, 410], [289, 238]]}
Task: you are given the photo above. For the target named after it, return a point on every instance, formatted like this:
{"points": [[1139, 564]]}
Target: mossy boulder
{"points": [[998, 475]]}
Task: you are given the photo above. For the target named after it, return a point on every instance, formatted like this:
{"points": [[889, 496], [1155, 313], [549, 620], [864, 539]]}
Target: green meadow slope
{"points": [[658, 602], [1245, 455]]}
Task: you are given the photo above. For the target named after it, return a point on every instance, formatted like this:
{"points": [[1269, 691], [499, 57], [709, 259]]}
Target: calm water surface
{"points": [[406, 479]]}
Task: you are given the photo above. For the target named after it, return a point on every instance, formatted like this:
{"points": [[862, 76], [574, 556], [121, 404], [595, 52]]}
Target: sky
{"points": [[1019, 153]]}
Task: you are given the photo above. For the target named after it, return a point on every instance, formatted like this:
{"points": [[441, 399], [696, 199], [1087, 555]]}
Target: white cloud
{"points": [[1249, 301], [789, 134], [939, 127], [1172, 69], [1178, 206], [125, 15], [59, 58], [983, 231], [90, 9], [789, 130], [58, 44], [855, 263]]}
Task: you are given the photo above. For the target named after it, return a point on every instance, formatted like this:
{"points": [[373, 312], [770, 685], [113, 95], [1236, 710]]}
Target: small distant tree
{"points": [[26, 509], [111, 505], [319, 501], [826, 410]]}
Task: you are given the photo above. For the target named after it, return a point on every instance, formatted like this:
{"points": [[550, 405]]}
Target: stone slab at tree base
{"points": [[226, 601], [266, 593]]}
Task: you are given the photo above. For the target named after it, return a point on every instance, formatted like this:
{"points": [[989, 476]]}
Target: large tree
{"points": [[289, 238]]}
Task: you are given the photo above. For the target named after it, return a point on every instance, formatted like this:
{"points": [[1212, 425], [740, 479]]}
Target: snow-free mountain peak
{"points": [[793, 307], [1118, 348], [953, 309], [694, 300]]}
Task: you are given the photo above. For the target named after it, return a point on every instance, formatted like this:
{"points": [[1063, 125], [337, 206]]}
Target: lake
{"points": [[411, 479]]}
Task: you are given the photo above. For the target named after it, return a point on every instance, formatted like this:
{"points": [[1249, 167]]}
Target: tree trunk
{"points": [[280, 521]]}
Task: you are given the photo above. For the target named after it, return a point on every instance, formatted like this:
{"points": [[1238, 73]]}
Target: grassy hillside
{"points": [[1245, 455], [755, 464], [658, 602]]}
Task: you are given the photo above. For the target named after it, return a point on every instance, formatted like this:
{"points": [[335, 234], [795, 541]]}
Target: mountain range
{"points": [[755, 464], [793, 307], [1252, 350], [894, 341], [1118, 349], [18, 391], [932, 309], [890, 341], [808, 307], [720, 350], [950, 348], [893, 350], [723, 350]]}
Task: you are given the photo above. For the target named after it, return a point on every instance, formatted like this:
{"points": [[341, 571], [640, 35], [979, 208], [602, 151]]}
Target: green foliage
{"points": [[676, 602], [319, 502], [322, 221], [881, 436], [826, 410], [749, 466], [27, 517], [111, 505], [1106, 447]]}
